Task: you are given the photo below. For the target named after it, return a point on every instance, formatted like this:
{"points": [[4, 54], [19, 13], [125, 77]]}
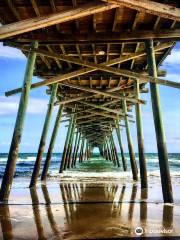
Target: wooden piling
{"points": [[115, 151], [69, 160], [159, 128], [105, 151], [130, 145], [69, 144], [108, 151], [52, 142], [18, 129], [81, 151], [140, 138], [85, 152], [62, 165], [112, 151], [74, 150], [118, 133], [42, 143], [77, 150]]}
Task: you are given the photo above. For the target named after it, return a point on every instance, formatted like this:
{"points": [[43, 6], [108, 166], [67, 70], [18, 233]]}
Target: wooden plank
{"points": [[36, 10], [104, 92], [59, 78], [155, 8], [54, 10], [56, 60], [11, 5], [104, 108], [64, 53], [35, 7], [28, 25], [103, 38]]}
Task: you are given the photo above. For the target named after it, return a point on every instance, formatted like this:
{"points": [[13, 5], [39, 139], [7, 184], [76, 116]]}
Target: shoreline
{"points": [[65, 209]]}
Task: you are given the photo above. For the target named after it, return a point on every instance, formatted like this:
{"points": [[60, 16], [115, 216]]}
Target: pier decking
{"points": [[96, 58]]}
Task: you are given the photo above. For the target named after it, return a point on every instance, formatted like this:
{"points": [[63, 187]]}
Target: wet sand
{"points": [[87, 210], [89, 202]]}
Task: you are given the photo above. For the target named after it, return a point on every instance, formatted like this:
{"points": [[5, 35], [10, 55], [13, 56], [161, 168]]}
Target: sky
{"points": [[12, 68]]}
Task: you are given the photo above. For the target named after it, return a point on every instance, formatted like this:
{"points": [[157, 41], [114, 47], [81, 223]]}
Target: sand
{"points": [[88, 209]]}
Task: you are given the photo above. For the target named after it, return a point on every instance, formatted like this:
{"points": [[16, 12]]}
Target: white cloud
{"points": [[9, 105], [9, 52], [173, 58]]}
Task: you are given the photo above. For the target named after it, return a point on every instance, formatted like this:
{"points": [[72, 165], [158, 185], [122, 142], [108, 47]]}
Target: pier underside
{"points": [[96, 59]]}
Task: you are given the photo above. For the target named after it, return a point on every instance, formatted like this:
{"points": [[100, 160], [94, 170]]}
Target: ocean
{"points": [[95, 165]]}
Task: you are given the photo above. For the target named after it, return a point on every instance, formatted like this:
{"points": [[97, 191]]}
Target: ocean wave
{"points": [[152, 160]]}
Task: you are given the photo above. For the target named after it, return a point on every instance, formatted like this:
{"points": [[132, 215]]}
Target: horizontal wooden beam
{"points": [[35, 23], [93, 119], [95, 66], [101, 38], [159, 9], [113, 116], [59, 78], [105, 108], [101, 92]]}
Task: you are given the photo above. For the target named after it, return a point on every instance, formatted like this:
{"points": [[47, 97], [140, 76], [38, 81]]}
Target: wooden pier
{"points": [[96, 59]]}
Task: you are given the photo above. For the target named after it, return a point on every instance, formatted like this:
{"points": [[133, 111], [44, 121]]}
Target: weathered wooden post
{"points": [[77, 149], [140, 138], [109, 150], [108, 155], [85, 150], [130, 145], [18, 129], [105, 151], [42, 143], [71, 145], [115, 151], [158, 122], [112, 151], [65, 147], [52, 142], [74, 150], [82, 150], [118, 133]]}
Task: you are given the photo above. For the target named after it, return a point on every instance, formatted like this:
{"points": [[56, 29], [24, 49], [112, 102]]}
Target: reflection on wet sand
{"points": [[85, 211], [36, 212], [168, 216], [55, 228], [6, 225], [143, 205], [131, 203]]}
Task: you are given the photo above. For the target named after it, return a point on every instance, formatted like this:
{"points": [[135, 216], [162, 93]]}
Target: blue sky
{"points": [[12, 67]]}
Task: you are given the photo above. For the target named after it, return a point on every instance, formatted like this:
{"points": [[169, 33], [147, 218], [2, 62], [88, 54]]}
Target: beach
{"points": [[81, 204]]}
